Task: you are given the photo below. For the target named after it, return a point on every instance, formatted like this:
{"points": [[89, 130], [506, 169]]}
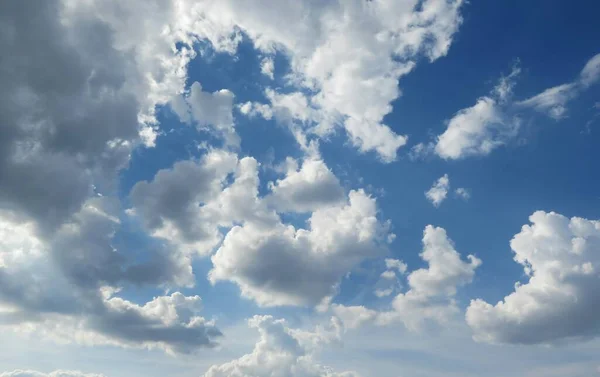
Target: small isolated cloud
{"points": [[463, 193], [208, 111], [267, 67], [281, 351], [254, 109], [439, 191], [560, 299]]}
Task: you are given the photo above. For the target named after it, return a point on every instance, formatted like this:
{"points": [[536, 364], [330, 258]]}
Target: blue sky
{"points": [[342, 188]]}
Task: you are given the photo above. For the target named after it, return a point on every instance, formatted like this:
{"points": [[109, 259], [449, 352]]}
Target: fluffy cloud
{"points": [[267, 67], [280, 351], [479, 129], [388, 280], [211, 111], [431, 290], [187, 203], [253, 109], [60, 287], [282, 265], [463, 193], [56, 373], [560, 257], [439, 191], [306, 189], [349, 54]]}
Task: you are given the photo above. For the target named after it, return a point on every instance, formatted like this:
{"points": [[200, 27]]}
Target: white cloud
{"points": [[283, 265], [63, 287], [560, 258], [590, 74], [349, 54], [388, 280], [395, 264], [431, 290], [280, 351], [553, 101], [211, 111], [479, 129], [188, 203], [491, 122], [439, 191], [253, 109], [306, 189], [267, 67], [463, 193]]}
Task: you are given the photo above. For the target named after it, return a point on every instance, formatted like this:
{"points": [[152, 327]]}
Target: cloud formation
{"points": [[431, 290], [352, 71], [281, 351], [554, 101], [439, 191], [558, 301], [285, 265], [477, 130]]}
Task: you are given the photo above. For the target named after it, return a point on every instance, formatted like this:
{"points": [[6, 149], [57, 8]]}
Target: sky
{"points": [[299, 188]]}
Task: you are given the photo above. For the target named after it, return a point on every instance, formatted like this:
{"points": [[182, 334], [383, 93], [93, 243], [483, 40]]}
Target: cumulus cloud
{"points": [[187, 203], [61, 287], [559, 300], [431, 290], [280, 351], [349, 54], [253, 109], [306, 189], [479, 129], [388, 280], [209, 111], [284, 265], [439, 191], [81, 81]]}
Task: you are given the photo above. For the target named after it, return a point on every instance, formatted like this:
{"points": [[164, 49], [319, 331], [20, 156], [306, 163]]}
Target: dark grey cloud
{"points": [[74, 87]]}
